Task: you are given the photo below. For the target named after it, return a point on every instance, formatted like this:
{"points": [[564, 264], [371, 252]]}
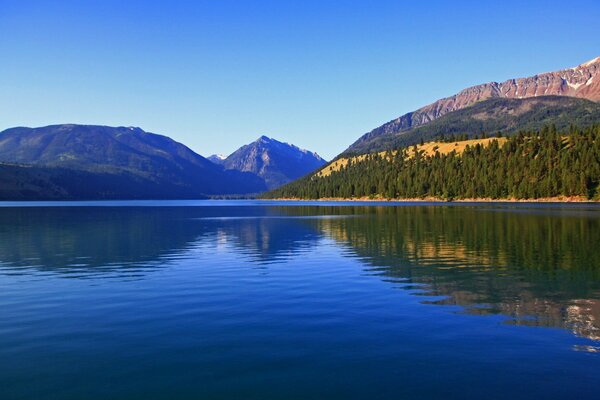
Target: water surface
{"points": [[268, 300]]}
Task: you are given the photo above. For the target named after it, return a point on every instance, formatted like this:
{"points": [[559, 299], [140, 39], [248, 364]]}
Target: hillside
{"points": [[531, 165], [28, 182], [507, 116], [273, 161], [426, 149], [582, 81], [128, 162]]}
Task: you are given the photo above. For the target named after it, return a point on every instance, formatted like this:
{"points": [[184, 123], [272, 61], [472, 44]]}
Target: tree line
{"points": [[529, 165]]}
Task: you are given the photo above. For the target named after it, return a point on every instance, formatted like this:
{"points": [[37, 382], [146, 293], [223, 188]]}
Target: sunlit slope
{"points": [[426, 149]]}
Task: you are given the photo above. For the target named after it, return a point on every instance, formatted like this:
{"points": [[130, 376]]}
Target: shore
{"points": [[559, 199]]}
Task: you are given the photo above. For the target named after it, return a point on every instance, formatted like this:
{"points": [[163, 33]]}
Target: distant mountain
{"points": [[217, 158], [275, 162], [109, 162], [582, 81]]}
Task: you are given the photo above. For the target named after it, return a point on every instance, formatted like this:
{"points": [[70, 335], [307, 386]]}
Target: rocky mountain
{"points": [[582, 81], [503, 115], [216, 158], [89, 161], [273, 161]]}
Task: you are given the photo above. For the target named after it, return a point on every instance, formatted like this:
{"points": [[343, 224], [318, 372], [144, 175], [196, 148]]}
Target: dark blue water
{"points": [[251, 300]]}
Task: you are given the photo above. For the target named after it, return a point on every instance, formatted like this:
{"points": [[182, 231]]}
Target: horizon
{"points": [[217, 76]]}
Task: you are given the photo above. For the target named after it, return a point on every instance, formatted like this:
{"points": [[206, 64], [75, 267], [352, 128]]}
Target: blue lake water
{"points": [[276, 300]]}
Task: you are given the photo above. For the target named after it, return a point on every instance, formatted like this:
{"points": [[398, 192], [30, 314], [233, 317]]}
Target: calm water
{"points": [[243, 300]]}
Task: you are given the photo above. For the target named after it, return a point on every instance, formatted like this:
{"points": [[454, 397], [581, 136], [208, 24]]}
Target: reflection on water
{"points": [[540, 269], [536, 266], [79, 242], [254, 301]]}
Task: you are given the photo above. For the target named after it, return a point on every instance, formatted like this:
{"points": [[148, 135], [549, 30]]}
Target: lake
{"points": [[279, 300]]}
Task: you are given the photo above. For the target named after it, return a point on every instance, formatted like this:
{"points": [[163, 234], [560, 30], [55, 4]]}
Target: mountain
{"points": [[125, 162], [582, 81], [275, 162], [30, 182], [507, 116], [216, 158], [536, 164]]}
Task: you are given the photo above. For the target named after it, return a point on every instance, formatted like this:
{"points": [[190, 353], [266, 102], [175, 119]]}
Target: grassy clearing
{"points": [[428, 149]]}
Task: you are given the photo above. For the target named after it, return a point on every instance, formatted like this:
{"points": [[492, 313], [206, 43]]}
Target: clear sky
{"points": [[218, 74]]}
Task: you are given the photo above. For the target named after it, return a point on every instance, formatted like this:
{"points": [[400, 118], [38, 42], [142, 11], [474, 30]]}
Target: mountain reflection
{"points": [[84, 240], [540, 268], [265, 239], [537, 266]]}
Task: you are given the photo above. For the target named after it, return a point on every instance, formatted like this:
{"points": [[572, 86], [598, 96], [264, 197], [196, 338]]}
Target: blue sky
{"points": [[218, 74]]}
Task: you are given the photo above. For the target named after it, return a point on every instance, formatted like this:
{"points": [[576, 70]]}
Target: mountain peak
{"points": [[265, 139], [582, 82], [274, 161], [217, 158], [591, 62]]}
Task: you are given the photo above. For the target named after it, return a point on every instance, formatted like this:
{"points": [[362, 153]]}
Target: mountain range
{"points": [[581, 82], [100, 162], [556, 153], [273, 161]]}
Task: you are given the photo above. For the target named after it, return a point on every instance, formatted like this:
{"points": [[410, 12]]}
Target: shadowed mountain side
{"points": [[150, 163], [30, 182]]}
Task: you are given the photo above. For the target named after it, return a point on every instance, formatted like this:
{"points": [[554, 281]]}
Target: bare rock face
{"points": [[582, 81]]}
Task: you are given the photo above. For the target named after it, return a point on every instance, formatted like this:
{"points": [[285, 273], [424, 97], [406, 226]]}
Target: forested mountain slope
{"points": [[529, 165], [117, 162]]}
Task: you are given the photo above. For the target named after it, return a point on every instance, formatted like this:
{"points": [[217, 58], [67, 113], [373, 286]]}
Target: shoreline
{"points": [[560, 199]]}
